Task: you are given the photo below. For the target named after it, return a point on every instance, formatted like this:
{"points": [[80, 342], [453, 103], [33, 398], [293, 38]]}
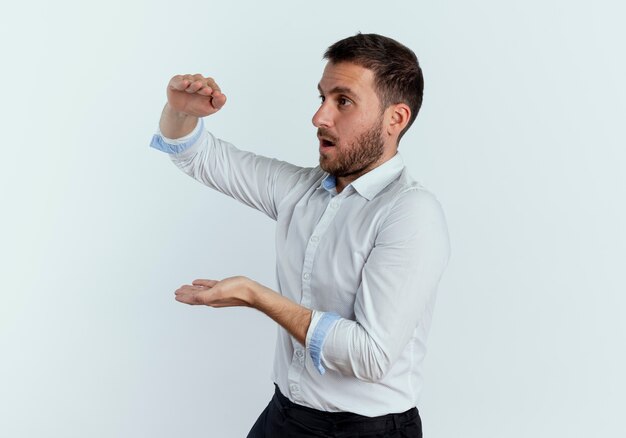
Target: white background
{"points": [[521, 137]]}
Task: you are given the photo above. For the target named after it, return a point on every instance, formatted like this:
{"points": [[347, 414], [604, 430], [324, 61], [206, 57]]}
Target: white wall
{"points": [[521, 137]]}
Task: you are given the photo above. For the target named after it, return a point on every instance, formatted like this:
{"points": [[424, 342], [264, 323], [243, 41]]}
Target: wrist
{"points": [[255, 294], [175, 124], [179, 115]]}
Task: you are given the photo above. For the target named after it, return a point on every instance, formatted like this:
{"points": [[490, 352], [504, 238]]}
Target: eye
{"points": [[343, 101], [322, 98]]}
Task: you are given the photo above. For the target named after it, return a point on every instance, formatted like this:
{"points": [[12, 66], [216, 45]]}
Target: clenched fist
{"points": [[189, 97], [194, 95]]}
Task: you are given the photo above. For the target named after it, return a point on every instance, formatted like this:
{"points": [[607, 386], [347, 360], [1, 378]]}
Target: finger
{"points": [[188, 299], [206, 283], [208, 81], [211, 83], [195, 86], [193, 77], [179, 83], [206, 91], [189, 294], [183, 290], [189, 289]]}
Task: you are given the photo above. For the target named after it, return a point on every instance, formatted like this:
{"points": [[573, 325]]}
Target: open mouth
{"points": [[327, 140]]}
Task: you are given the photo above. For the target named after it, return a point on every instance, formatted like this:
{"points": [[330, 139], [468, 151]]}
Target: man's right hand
{"points": [[188, 98], [194, 95]]}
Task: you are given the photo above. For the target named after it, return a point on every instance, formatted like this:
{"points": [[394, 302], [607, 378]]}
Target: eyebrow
{"points": [[339, 90]]}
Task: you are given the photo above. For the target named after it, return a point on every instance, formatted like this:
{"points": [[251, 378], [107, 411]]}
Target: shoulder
{"points": [[295, 177], [415, 219], [407, 197]]}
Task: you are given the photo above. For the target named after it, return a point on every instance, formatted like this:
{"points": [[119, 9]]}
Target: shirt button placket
{"points": [[298, 360]]}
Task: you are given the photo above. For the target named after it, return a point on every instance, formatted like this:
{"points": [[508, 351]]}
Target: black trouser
{"points": [[282, 418]]}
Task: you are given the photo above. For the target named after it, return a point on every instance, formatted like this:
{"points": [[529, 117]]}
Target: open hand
{"points": [[230, 292], [242, 291]]}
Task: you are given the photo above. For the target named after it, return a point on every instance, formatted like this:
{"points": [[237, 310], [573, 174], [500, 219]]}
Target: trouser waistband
{"points": [[336, 422]]}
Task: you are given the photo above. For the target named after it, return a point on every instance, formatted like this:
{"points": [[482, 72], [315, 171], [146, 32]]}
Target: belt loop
{"points": [[395, 421]]}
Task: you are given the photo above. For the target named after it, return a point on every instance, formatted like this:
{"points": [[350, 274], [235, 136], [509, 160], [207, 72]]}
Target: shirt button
{"points": [[333, 204], [294, 388], [299, 354], [306, 276], [315, 238]]}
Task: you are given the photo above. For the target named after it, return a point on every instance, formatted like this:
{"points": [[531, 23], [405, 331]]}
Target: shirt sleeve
{"points": [[321, 323], [398, 287], [257, 181]]}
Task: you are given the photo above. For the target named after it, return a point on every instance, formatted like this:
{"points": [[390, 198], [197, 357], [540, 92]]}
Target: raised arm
{"points": [[257, 181], [189, 97]]}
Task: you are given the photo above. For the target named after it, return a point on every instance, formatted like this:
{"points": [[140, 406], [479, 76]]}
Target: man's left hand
{"points": [[230, 292], [242, 291]]}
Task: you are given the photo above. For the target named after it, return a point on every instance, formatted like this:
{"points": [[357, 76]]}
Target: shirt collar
{"points": [[329, 183], [370, 184]]}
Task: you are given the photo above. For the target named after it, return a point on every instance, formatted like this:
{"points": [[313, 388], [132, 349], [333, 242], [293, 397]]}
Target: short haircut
{"points": [[397, 73]]}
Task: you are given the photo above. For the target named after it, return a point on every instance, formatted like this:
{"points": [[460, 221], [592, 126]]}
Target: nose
{"points": [[322, 117]]}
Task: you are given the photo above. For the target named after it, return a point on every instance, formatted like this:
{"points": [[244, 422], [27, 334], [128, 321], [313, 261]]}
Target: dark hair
{"points": [[397, 73]]}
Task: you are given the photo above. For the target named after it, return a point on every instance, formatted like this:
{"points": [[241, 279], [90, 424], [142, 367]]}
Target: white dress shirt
{"points": [[366, 261]]}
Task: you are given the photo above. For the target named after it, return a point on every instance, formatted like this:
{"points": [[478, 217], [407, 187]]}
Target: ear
{"points": [[399, 115]]}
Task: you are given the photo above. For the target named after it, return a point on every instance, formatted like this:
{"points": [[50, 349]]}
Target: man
{"points": [[360, 246]]}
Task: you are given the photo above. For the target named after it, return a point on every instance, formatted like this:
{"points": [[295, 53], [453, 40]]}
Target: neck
{"points": [[343, 181]]}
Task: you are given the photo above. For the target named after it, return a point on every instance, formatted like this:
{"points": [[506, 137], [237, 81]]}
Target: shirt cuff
{"points": [[321, 324], [178, 145]]}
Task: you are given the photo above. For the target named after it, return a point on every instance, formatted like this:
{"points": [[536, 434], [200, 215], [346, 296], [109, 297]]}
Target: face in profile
{"points": [[349, 121]]}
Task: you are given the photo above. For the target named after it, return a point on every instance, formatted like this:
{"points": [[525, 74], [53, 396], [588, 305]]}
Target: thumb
{"points": [[206, 283], [218, 99]]}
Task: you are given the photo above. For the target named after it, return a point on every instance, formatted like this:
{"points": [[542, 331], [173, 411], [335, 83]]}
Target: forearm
{"points": [[291, 316], [175, 124]]}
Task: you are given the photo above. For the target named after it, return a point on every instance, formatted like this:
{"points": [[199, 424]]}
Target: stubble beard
{"points": [[358, 156]]}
